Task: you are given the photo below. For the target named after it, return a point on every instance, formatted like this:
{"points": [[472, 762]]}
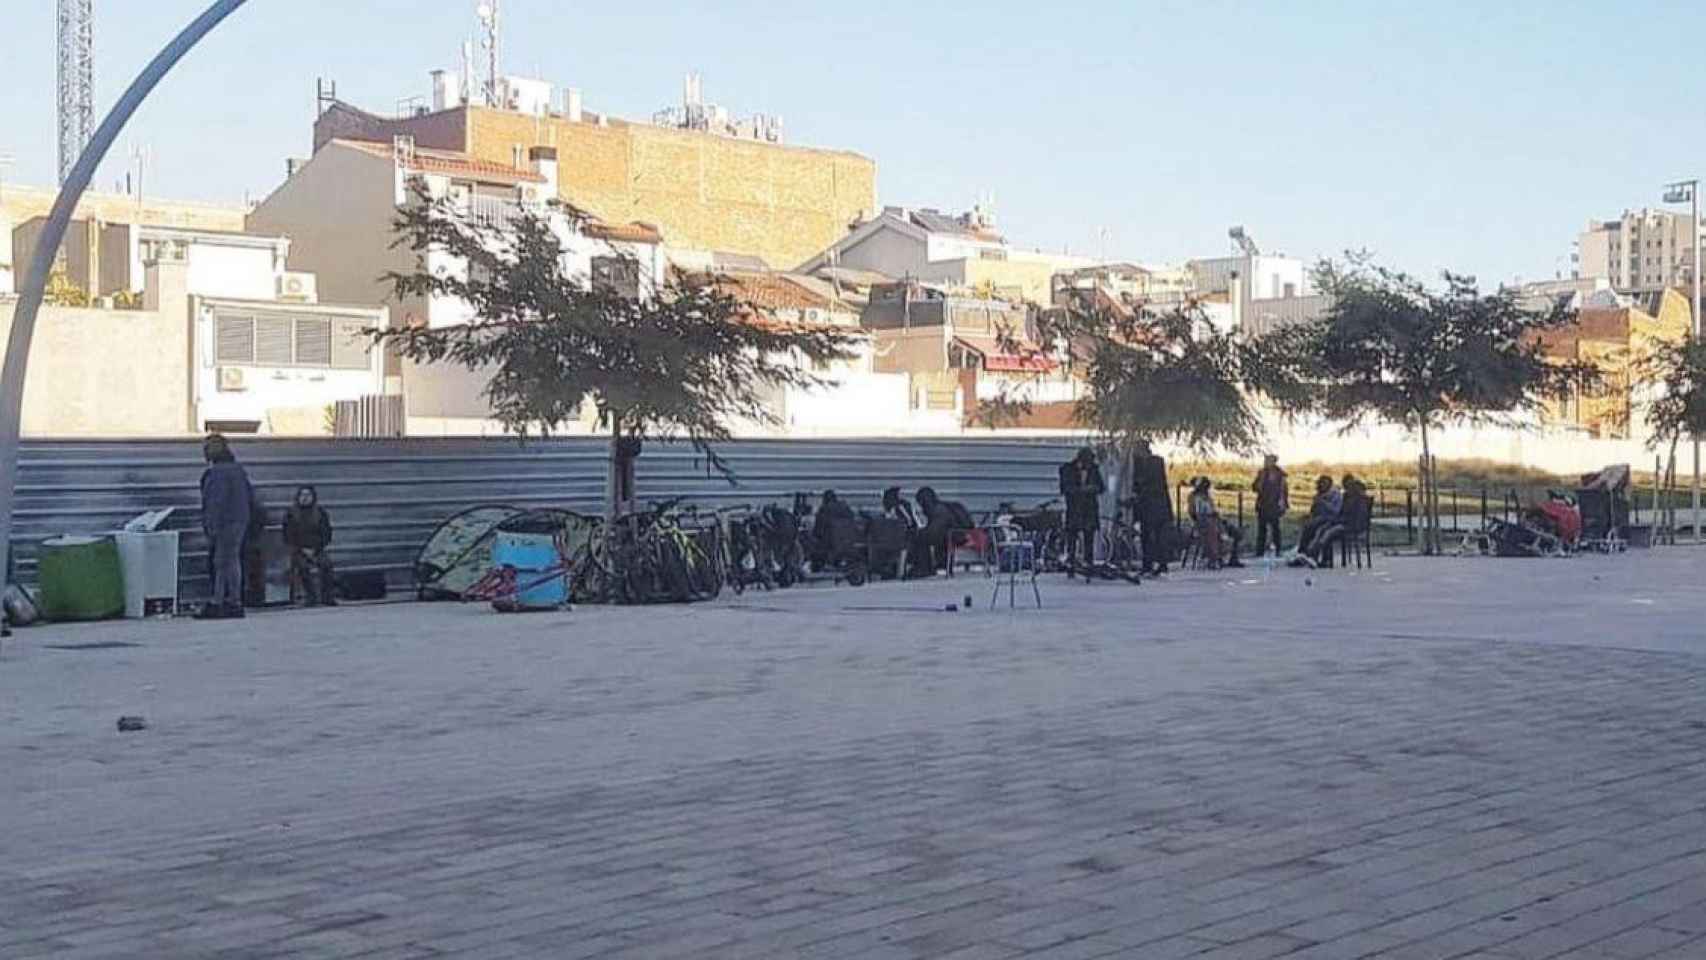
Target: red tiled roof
{"points": [[452, 164], [996, 360], [769, 291], [635, 232]]}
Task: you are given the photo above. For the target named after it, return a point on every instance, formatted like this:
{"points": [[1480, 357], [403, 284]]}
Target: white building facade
{"points": [[1643, 251]]}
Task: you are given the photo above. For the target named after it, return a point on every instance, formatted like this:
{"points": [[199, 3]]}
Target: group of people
{"points": [[925, 528], [1082, 487], [1334, 510], [233, 517]]}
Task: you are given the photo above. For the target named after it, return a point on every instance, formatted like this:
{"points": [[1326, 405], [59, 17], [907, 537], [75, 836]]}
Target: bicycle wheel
{"points": [[590, 577], [1052, 550], [1125, 554], [675, 580], [704, 581], [763, 566], [716, 564]]}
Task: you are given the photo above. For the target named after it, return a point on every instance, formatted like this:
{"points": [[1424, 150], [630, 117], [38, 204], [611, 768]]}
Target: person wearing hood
{"points": [[308, 532], [226, 499], [832, 512], [942, 518]]}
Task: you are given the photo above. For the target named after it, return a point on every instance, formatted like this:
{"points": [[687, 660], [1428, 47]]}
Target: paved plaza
{"points": [[1503, 760]]}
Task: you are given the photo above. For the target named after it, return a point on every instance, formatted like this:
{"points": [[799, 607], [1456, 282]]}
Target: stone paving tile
{"points": [[1344, 772]]}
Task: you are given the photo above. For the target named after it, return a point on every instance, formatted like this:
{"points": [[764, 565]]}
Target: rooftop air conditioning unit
{"points": [[814, 315], [297, 288], [529, 194], [231, 380]]}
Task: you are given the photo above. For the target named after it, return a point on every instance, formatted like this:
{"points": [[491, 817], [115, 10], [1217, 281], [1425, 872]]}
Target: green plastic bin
{"points": [[80, 578]]}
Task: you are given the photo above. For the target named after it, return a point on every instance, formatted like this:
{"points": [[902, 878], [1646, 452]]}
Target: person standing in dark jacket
{"points": [[1273, 502], [308, 532], [1154, 507], [1082, 486], [226, 496]]}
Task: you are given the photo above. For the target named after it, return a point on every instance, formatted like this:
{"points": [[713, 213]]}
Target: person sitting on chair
{"points": [[896, 507], [830, 512], [308, 532], [941, 517], [1324, 525], [1213, 531]]}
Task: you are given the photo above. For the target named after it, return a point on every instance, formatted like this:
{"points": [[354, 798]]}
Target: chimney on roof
{"points": [[543, 160], [572, 105]]}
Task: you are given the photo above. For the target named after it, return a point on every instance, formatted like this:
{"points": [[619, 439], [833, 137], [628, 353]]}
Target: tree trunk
{"points": [[613, 477], [1669, 515], [1430, 501]]}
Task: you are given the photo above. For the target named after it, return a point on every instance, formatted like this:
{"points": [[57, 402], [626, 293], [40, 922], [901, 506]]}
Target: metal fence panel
{"points": [[387, 496]]}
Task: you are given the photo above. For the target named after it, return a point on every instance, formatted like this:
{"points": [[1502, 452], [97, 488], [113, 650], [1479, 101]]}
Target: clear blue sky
{"points": [[1459, 134]]}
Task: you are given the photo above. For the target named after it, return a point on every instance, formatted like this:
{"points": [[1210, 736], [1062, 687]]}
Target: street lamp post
{"points": [[1676, 193], [47, 248]]}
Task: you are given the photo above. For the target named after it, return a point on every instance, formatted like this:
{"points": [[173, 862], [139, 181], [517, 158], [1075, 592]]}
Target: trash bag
{"points": [[20, 607]]}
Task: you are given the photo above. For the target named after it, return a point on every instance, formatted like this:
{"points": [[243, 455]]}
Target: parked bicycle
{"points": [[1118, 552]]}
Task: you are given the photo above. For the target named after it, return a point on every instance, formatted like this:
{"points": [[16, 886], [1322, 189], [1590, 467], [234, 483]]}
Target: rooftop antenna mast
{"points": [[467, 71], [76, 81], [491, 18]]}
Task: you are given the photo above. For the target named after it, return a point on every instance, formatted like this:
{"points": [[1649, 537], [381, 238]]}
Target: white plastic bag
{"points": [[20, 607]]}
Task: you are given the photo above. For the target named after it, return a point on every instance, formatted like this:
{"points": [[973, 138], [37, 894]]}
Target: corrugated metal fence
{"points": [[387, 496]]}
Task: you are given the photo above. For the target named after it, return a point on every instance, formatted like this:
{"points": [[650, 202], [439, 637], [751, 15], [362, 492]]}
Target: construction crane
{"points": [[76, 81], [1244, 242]]}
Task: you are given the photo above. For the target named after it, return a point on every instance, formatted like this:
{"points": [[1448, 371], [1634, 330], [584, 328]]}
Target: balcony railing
{"points": [[497, 212]]}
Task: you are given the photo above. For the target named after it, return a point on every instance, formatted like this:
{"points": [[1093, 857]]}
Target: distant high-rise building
{"points": [[1644, 251]]}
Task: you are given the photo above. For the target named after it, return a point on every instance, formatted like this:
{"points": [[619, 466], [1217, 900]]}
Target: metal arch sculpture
{"points": [[47, 249]]}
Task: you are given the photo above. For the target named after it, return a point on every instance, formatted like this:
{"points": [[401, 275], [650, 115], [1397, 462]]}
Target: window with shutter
{"points": [[313, 342], [274, 345], [234, 339], [351, 346]]}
